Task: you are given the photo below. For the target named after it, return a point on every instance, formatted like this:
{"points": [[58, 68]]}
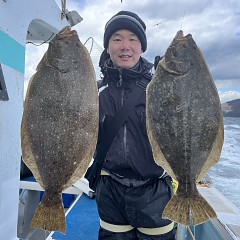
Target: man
{"points": [[132, 191]]}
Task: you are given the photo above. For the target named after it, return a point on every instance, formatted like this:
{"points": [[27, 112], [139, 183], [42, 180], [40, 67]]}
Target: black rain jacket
{"points": [[130, 153]]}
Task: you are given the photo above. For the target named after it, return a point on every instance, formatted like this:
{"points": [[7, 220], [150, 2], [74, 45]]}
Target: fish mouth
{"points": [[180, 36], [65, 30]]}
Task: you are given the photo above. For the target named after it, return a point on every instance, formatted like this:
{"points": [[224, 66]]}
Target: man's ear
{"points": [[107, 51]]}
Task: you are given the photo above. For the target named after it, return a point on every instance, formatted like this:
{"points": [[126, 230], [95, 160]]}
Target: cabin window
{"points": [[3, 89]]}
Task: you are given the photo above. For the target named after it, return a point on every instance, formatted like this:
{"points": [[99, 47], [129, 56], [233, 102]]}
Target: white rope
{"points": [[63, 14]]}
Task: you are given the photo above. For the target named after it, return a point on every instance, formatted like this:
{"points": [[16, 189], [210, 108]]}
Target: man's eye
{"points": [[117, 39]]}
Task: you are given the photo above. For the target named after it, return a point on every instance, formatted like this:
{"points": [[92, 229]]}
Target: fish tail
{"points": [[178, 210], [201, 211], [50, 214], [183, 209]]}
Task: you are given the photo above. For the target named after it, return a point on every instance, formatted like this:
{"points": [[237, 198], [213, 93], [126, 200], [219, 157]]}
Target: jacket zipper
{"points": [[119, 84]]}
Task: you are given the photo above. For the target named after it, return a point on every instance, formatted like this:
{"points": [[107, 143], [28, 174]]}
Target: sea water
{"points": [[225, 175]]}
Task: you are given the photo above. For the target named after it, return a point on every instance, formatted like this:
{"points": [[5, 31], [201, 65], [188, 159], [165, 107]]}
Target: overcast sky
{"points": [[214, 25]]}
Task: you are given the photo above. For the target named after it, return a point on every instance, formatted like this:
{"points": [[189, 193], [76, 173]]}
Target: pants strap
{"points": [[125, 228], [157, 231], [115, 228]]}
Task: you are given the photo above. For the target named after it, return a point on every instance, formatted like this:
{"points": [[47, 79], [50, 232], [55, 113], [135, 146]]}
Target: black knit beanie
{"points": [[129, 21]]}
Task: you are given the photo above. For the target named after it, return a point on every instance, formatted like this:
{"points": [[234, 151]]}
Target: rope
{"points": [[63, 14]]}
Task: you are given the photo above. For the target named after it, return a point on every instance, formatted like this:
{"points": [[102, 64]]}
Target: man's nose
{"points": [[125, 44]]}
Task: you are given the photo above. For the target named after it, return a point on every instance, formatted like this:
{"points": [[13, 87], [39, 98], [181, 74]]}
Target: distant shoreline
{"points": [[231, 108]]}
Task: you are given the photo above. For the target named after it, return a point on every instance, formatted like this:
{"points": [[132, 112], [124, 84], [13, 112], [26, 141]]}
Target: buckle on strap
{"points": [[104, 173], [157, 231], [115, 228]]}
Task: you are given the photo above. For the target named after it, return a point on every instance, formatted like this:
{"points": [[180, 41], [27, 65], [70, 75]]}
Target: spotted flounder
{"points": [[60, 124], [185, 126]]}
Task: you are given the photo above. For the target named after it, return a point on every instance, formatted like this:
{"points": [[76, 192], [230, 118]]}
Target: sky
{"points": [[214, 25]]}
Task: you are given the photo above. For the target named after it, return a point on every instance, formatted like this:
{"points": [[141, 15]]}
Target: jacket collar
{"points": [[126, 75]]}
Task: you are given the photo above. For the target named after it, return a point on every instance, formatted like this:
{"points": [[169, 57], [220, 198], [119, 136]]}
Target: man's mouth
{"points": [[125, 56]]}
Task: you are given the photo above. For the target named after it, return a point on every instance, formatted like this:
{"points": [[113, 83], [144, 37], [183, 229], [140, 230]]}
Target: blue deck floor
{"points": [[82, 221]]}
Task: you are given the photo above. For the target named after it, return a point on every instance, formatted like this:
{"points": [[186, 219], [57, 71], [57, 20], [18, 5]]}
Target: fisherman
{"points": [[133, 190]]}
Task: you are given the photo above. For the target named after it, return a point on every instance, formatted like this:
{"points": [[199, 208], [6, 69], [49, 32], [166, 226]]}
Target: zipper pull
{"points": [[119, 83]]}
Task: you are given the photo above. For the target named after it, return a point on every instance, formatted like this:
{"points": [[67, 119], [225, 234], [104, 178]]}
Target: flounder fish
{"points": [[185, 126], [60, 124]]}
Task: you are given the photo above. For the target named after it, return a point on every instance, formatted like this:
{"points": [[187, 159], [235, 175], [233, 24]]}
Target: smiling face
{"points": [[124, 49]]}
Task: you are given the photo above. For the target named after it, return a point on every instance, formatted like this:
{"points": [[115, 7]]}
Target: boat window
{"points": [[3, 89]]}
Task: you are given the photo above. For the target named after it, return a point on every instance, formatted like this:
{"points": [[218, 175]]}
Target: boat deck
{"points": [[82, 221], [81, 212], [228, 214]]}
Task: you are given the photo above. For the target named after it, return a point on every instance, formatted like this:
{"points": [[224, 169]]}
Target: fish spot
{"points": [[180, 108], [174, 52]]}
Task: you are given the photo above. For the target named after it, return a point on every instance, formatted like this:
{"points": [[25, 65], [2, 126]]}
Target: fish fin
{"points": [[158, 155], [27, 154], [215, 153], [50, 214], [201, 211], [180, 208]]}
